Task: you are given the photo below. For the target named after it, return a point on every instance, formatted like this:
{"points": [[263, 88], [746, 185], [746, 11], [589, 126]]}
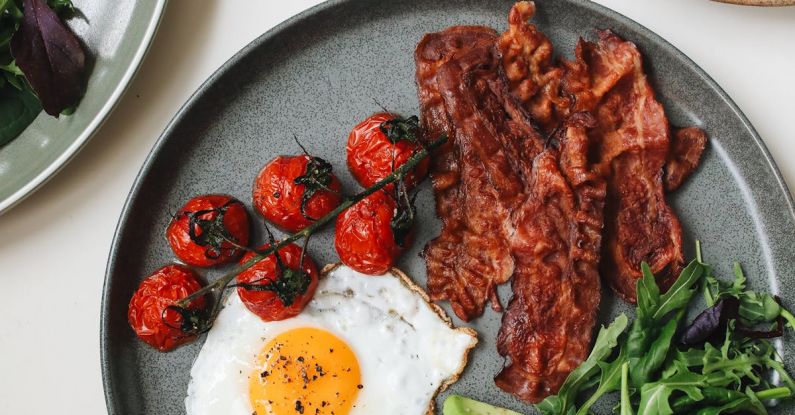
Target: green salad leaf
{"points": [[626, 403], [654, 373], [609, 381], [654, 397], [680, 293], [717, 401], [18, 108], [645, 366], [755, 307]]}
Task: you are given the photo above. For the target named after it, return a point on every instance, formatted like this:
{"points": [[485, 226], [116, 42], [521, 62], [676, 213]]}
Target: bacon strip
{"points": [[548, 229], [471, 255], [516, 205], [547, 328], [687, 144], [606, 78], [633, 135], [527, 59]]}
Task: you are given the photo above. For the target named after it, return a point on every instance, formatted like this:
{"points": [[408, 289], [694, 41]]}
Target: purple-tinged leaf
{"points": [[763, 334], [711, 323], [51, 57]]}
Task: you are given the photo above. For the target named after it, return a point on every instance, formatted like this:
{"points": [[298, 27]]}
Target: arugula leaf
{"points": [[653, 308], [755, 308], [758, 308], [681, 292], [753, 402], [626, 405], [719, 400], [18, 108], [648, 293], [641, 335], [723, 372], [606, 341], [683, 359], [772, 362], [738, 285], [609, 381], [643, 331], [654, 396], [726, 370], [644, 367]]}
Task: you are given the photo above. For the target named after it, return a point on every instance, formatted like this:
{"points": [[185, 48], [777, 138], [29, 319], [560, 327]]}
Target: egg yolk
{"points": [[305, 371]]}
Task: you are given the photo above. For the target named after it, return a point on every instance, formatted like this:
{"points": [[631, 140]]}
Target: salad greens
{"points": [[626, 404], [657, 372], [721, 363], [755, 308], [42, 63]]}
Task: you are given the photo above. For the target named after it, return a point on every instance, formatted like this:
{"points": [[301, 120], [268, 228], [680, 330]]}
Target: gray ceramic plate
{"points": [[319, 73], [117, 34]]}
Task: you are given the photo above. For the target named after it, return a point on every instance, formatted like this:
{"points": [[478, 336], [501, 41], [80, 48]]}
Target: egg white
{"points": [[406, 348]]}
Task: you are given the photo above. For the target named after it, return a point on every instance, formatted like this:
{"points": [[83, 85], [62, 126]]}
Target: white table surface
{"points": [[54, 245]]}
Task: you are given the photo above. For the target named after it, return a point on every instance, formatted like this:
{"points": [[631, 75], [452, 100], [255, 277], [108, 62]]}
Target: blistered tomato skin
{"points": [[267, 303], [216, 220], [363, 236], [278, 198], [370, 154], [161, 289]]}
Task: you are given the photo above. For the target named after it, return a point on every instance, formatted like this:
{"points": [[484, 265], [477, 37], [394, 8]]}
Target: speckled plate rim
{"points": [[105, 358], [99, 119]]}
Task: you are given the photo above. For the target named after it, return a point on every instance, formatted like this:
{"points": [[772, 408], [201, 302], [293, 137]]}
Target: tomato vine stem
{"points": [[220, 284]]}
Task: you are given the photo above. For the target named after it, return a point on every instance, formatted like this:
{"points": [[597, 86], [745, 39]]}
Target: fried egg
{"points": [[363, 345]]}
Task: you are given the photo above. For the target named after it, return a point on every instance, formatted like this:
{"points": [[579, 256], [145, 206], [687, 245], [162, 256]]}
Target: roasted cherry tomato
{"points": [[293, 191], [278, 288], [205, 231], [381, 143], [366, 238], [148, 315]]}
